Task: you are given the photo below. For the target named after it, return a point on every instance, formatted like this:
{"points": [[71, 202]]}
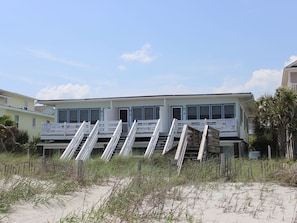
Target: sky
{"points": [[69, 49]]}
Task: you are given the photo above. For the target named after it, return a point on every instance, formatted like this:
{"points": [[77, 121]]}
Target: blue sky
{"points": [[81, 49]]}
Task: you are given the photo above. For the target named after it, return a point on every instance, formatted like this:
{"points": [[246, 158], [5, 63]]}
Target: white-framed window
{"points": [[16, 120], [26, 105]]}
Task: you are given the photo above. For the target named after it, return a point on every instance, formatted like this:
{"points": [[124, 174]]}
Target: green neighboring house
{"points": [[24, 112]]}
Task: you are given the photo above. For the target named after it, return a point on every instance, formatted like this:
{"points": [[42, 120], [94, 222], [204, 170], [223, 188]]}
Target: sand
{"points": [[209, 203]]}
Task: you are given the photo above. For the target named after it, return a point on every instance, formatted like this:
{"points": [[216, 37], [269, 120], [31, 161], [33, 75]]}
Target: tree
{"points": [[8, 133], [279, 113], [7, 120]]}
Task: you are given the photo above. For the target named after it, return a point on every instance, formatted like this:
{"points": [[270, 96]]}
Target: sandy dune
{"points": [[209, 203]]}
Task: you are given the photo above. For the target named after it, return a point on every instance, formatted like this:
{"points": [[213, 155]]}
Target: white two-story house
{"points": [[154, 116]]}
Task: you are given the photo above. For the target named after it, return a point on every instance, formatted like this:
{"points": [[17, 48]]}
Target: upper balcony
{"points": [[65, 131]]}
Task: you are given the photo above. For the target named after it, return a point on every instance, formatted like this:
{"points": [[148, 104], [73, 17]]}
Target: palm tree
{"points": [[279, 112]]}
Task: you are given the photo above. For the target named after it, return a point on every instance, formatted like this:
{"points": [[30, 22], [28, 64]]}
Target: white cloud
{"points": [[263, 81], [68, 91], [48, 56], [122, 67], [291, 60], [142, 55]]}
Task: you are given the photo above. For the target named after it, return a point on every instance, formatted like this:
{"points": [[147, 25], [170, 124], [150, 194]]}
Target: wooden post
{"points": [[80, 170], [43, 163], [223, 164], [269, 152]]}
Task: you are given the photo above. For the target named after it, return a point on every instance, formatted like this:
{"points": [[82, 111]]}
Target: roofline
{"points": [[27, 111], [2, 91], [291, 64], [123, 98]]}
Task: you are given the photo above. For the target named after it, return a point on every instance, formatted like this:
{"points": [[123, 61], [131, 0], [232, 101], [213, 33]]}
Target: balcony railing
{"points": [[294, 87], [58, 131], [227, 127]]}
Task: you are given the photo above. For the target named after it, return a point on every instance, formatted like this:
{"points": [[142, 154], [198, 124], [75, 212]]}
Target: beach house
{"points": [[143, 125]]}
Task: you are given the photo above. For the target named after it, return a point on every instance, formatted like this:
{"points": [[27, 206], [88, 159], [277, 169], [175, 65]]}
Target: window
{"points": [[25, 105], [17, 119], [62, 116], [145, 113], [95, 115], [137, 113], [229, 111], [73, 116], [293, 76], [148, 113], [216, 111], [191, 113], [204, 112], [33, 122], [241, 115], [157, 112], [84, 115]]}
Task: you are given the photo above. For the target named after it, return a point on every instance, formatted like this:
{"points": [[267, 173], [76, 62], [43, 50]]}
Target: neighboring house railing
{"points": [[170, 137], [112, 142], [293, 87], [89, 144], [74, 143], [127, 146], [153, 141]]}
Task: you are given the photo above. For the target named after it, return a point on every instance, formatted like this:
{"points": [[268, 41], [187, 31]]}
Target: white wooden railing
{"points": [[89, 144], [127, 146], [112, 142], [108, 127], [203, 144], [146, 126], [223, 125], [181, 148], [153, 141], [293, 86], [170, 138], [74, 143]]}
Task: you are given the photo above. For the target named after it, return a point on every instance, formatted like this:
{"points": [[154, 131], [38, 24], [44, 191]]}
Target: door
{"points": [[176, 113], [124, 116]]}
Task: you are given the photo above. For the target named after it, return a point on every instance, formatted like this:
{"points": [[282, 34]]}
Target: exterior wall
{"points": [[25, 121], [22, 107]]}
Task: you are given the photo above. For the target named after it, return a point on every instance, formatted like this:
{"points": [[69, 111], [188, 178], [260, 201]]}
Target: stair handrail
{"points": [[153, 141], [203, 144], [127, 146], [171, 135], [89, 144], [181, 148], [108, 151], [75, 141]]}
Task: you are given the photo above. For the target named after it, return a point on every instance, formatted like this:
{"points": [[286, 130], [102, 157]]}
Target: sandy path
{"points": [[61, 206]]}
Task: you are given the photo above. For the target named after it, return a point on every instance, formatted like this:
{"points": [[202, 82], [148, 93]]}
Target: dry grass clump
{"points": [[285, 177]]}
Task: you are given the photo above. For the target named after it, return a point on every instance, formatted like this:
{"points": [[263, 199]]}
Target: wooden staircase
{"points": [[195, 145], [80, 146]]}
